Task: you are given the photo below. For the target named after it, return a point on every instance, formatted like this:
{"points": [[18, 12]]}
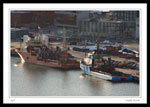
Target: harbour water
{"points": [[34, 80]]}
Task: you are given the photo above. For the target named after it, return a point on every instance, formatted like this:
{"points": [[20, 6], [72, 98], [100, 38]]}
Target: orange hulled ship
{"points": [[37, 51]]}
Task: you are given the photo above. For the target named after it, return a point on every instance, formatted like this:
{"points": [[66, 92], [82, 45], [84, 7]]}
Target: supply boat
{"points": [[95, 65], [37, 51]]}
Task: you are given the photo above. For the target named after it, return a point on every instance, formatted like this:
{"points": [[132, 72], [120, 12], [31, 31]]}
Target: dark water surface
{"points": [[34, 80]]}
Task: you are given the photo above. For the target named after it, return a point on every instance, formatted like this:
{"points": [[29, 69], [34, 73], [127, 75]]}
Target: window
{"points": [[99, 27], [27, 57]]}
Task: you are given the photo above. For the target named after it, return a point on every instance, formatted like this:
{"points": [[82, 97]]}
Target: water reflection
{"points": [[19, 63], [36, 80]]}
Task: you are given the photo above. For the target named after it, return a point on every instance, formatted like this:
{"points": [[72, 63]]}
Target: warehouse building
{"points": [[93, 30], [113, 24]]}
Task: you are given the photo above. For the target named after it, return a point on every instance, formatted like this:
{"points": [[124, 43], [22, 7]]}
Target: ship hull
{"points": [[86, 69], [27, 57]]}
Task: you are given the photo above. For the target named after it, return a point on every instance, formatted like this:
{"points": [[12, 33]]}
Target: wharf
{"points": [[134, 73]]}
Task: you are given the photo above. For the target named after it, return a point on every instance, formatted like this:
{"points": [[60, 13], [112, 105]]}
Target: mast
{"points": [[97, 43], [64, 40], [38, 33], [85, 46]]}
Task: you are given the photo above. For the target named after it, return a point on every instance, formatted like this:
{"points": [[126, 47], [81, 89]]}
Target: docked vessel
{"points": [[37, 51], [95, 65]]}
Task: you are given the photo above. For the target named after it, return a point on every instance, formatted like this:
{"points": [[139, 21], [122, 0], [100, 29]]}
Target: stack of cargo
{"points": [[125, 64]]}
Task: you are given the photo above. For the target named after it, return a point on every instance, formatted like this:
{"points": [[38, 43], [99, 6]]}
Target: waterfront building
{"points": [[100, 29], [112, 24]]}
